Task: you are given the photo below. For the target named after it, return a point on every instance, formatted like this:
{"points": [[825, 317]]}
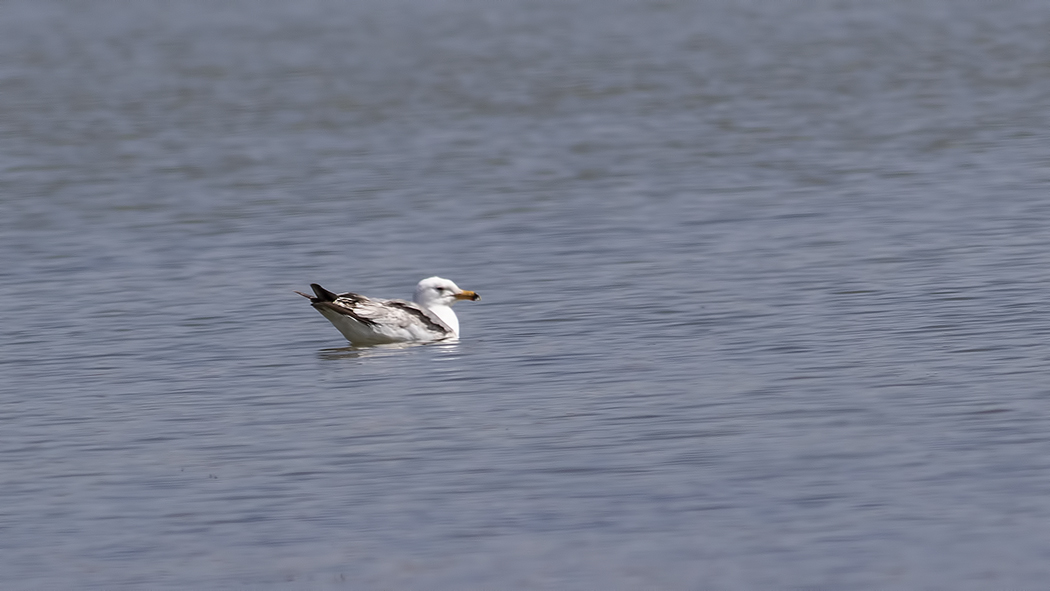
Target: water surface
{"points": [[763, 295]]}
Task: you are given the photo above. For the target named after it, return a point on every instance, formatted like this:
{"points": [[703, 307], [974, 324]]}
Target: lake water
{"points": [[764, 294]]}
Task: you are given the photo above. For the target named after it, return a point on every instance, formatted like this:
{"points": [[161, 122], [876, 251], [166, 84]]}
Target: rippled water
{"points": [[764, 294]]}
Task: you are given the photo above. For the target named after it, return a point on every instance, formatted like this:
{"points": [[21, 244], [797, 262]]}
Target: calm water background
{"points": [[765, 294]]}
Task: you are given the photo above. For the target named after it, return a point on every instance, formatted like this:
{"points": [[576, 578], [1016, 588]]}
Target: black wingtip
{"points": [[323, 295]]}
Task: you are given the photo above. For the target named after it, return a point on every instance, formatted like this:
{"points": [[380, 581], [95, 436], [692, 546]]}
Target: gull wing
{"points": [[384, 320], [425, 316]]}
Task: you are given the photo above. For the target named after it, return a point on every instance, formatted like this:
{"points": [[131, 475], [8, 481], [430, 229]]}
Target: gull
{"points": [[372, 321]]}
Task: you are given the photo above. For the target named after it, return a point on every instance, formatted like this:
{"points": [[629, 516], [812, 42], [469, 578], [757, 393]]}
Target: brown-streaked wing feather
{"points": [[428, 318]]}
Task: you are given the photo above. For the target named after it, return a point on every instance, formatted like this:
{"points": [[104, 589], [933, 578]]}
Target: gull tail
{"points": [[323, 295]]}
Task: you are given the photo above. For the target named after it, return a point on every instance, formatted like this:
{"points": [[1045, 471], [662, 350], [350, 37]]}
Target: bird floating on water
{"points": [[371, 321]]}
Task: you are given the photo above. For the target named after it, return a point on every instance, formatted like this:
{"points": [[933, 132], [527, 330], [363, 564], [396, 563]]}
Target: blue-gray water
{"points": [[764, 294]]}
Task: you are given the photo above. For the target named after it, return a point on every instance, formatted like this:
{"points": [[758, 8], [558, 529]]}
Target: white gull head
{"points": [[438, 295]]}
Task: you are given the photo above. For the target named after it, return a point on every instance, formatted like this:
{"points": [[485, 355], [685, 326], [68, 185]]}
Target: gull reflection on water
{"points": [[354, 352]]}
